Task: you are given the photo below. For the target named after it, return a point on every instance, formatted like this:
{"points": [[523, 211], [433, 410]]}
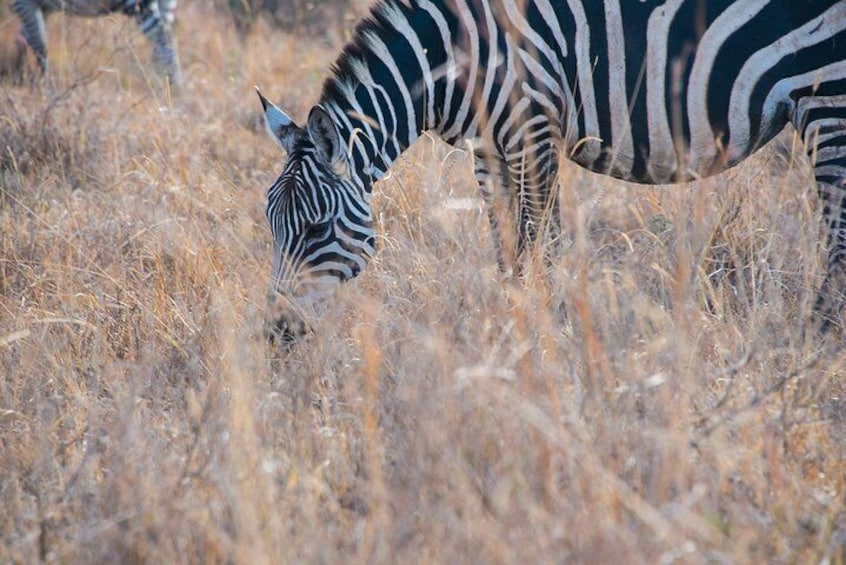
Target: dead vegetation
{"points": [[656, 401]]}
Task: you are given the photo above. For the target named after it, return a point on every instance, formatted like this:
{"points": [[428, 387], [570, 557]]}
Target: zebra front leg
{"points": [[155, 24], [522, 204], [32, 29], [499, 203], [537, 197]]}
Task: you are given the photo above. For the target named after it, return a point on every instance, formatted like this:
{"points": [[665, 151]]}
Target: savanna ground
{"points": [[654, 400]]}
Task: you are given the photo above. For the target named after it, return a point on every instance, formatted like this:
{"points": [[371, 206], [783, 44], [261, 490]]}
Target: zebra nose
{"points": [[285, 331], [283, 324]]}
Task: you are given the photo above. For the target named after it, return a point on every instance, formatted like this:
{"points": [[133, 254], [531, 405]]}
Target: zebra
{"points": [[154, 18], [647, 91]]}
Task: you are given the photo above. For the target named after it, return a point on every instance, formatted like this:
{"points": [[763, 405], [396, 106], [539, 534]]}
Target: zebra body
{"points": [[646, 91], [153, 17]]}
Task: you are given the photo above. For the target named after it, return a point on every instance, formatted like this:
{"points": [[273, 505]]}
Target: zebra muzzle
{"points": [[284, 324], [285, 331]]}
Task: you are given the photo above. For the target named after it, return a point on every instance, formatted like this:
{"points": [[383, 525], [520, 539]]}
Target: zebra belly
{"points": [[686, 164]]}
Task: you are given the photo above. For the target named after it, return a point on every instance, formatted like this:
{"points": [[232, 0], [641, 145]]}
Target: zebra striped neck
{"points": [[381, 87], [371, 153]]}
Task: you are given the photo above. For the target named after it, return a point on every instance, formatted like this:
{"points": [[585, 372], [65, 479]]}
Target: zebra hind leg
{"points": [[830, 174], [32, 29]]}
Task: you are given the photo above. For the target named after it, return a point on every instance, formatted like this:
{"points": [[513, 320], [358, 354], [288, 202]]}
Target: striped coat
{"points": [[648, 91]]}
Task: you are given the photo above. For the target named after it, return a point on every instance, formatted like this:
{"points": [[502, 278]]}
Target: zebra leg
{"points": [[534, 178], [494, 188], [244, 14], [32, 28], [825, 138], [155, 18], [537, 198], [522, 204]]}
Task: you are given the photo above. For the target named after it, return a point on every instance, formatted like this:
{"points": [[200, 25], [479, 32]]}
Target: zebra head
{"points": [[319, 215]]}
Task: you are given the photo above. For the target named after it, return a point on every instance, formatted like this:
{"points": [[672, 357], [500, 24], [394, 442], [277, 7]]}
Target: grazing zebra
{"points": [[647, 91], [154, 17]]}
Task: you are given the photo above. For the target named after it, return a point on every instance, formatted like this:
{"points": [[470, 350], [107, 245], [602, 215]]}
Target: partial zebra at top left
{"points": [[153, 17]]}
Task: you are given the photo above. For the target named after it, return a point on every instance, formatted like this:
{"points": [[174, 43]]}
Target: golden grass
{"points": [[655, 401]]}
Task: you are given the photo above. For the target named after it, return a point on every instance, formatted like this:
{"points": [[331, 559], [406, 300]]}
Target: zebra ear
{"points": [[281, 127], [324, 134]]}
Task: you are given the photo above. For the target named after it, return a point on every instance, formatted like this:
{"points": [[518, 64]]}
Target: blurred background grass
{"points": [[655, 400]]}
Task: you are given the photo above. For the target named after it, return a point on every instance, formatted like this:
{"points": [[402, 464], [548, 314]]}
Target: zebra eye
{"points": [[318, 230]]}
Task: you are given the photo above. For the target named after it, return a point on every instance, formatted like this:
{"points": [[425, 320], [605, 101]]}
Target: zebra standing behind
{"points": [[154, 18], [646, 91]]}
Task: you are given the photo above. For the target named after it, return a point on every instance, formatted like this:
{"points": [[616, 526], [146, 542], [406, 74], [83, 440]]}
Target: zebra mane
{"points": [[379, 22]]}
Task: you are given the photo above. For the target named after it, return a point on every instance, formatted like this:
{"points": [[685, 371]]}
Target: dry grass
{"points": [[655, 401]]}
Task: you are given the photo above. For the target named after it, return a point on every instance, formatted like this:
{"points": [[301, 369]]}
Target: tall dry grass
{"points": [[654, 400]]}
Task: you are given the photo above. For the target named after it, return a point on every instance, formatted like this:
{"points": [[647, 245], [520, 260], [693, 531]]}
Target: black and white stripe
{"points": [[153, 17], [643, 90]]}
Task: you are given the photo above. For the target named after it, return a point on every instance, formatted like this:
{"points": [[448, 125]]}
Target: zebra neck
{"points": [[371, 152], [382, 91], [375, 128]]}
